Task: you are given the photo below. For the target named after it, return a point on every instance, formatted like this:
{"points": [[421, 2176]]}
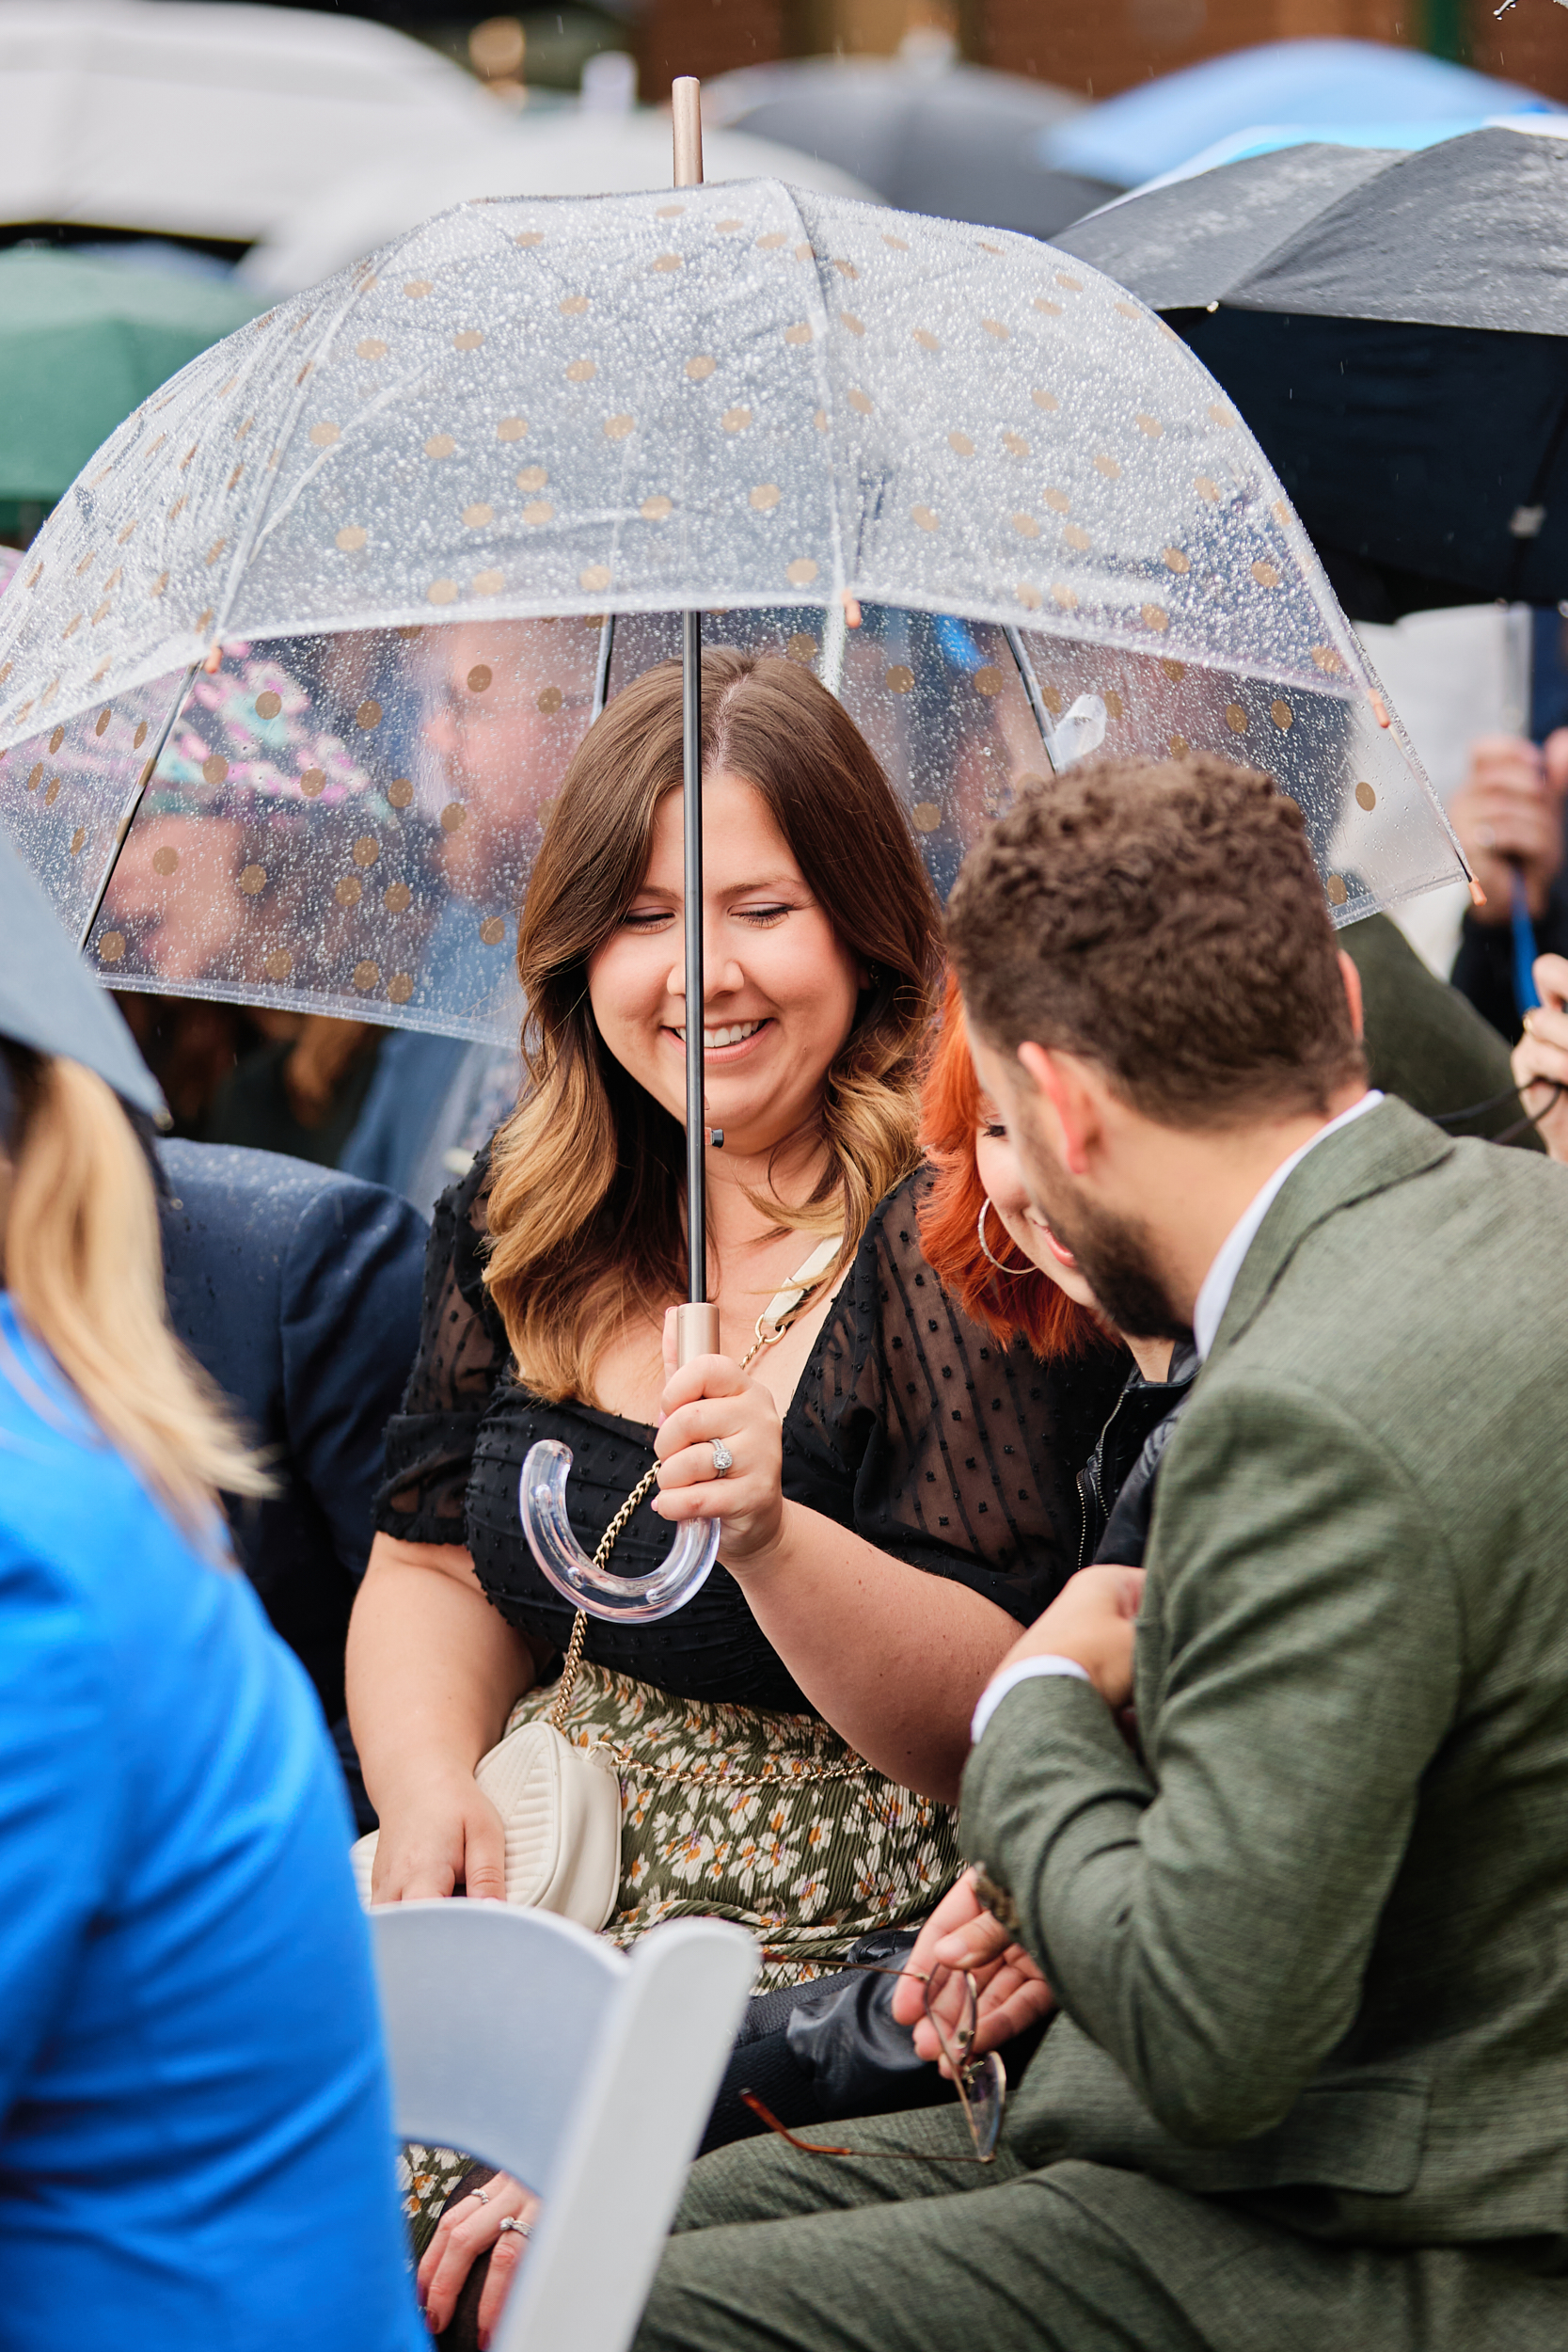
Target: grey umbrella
{"points": [[955, 141], [48, 1000], [1394, 327]]}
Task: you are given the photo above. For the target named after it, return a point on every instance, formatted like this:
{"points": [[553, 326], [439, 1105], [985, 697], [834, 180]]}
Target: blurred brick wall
{"points": [[1095, 46]]}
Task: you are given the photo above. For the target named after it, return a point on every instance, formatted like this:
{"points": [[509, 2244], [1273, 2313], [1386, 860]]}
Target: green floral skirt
{"points": [[735, 1813]]}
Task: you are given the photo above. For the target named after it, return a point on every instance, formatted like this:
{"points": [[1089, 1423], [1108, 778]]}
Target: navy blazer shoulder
{"points": [[299, 1289]]}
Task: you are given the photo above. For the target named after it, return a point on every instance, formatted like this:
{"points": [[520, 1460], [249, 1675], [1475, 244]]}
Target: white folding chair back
{"points": [[523, 2040]]}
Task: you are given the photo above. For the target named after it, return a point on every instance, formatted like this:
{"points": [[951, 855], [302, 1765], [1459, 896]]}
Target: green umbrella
{"points": [[81, 344]]}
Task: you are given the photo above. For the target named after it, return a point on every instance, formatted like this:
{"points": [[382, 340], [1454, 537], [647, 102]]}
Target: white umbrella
{"points": [[562, 153], [193, 120]]}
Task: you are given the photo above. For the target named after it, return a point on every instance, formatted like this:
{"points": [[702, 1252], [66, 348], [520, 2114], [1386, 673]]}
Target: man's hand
{"points": [[1508, 814], [961, 1934], [1091, 1621], [1541, 1053]]}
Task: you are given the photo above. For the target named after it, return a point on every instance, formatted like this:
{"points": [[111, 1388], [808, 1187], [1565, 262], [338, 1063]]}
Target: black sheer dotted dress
{"points": [[908, 1426]]}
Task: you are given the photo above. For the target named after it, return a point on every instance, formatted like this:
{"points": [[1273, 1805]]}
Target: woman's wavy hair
{"points": [[587, 1200], [82, 1262], [1028, 1305]]}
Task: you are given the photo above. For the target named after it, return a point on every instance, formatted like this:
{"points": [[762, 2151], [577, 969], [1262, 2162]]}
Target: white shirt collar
{"points": [[1220, 1281]]}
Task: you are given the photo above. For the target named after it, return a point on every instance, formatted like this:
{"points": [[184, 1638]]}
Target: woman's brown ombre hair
{"points": [[588, 1188]]}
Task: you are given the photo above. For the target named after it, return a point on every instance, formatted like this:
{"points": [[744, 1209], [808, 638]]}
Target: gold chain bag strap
{"points": [[560, 1805]]}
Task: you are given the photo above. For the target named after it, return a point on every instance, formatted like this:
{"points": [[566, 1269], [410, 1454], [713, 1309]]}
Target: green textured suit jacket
{"points": [[1317, 1951]]}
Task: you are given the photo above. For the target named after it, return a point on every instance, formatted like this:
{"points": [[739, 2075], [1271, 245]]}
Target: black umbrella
{"points": [[1394, 327]]}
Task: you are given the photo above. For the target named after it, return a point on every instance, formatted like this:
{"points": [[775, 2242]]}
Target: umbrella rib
{"points": [[122, 831], [1019, 652]]}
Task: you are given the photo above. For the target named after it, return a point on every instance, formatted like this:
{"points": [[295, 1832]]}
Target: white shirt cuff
{"points": [[1021, 1670]]}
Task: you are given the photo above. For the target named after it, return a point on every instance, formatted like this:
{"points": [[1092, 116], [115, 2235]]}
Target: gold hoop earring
{"points": [[1013, 1271]]}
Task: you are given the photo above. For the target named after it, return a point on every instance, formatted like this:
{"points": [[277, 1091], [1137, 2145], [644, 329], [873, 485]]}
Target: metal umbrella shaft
{"points": [[697, 1322]]}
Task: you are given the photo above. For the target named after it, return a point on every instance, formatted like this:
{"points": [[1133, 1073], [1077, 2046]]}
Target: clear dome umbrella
{"points": [[425, 519]]}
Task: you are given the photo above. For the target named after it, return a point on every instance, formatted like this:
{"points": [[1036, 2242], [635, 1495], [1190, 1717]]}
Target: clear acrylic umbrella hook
{"points": [[628, 1599]]}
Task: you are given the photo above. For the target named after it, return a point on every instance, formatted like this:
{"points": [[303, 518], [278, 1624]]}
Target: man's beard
{"points": [[1114, 1254]]}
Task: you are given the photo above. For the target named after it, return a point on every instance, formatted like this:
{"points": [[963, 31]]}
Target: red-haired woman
{"points": [[999, 1260]]}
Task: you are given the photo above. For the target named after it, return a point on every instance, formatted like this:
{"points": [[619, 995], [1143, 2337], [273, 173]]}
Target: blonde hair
{"points": [[84, 1267], [587, 1202]]}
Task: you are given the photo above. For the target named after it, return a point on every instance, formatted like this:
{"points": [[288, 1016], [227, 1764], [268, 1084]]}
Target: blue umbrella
{"points": [[1163, 124]]}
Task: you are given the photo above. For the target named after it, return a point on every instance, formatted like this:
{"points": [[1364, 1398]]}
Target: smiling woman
{"points": [[895, 1489]]}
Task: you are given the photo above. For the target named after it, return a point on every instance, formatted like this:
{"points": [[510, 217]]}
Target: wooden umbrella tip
{"points": [[686, 109]]}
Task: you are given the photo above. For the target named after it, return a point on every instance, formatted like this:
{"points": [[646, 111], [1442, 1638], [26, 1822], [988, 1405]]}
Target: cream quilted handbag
{"points": [[561, 1807]]}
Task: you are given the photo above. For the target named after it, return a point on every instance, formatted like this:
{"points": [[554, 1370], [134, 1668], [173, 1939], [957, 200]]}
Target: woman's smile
{"points": [[725, 1040]]}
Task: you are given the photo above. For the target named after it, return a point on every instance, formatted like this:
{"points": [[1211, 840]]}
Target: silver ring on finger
{"points": [[523, 2229], [723, 1460], [482, 2194]]}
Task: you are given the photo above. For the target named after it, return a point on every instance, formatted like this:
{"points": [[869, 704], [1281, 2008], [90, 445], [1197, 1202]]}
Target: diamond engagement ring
{"points": [[723, 1460]]}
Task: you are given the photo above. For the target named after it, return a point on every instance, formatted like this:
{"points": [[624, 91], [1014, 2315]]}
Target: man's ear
{"points": [[1351, 978], [1067, 1104]]}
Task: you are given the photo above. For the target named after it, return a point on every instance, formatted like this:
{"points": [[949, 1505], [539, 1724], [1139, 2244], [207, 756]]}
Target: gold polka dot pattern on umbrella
{"points": [[111, 946], [1235, 719], [617, 428], [1026, 527], [539, 511], [1077, 537], [899, 678], [529, 237], [400, 792], [654, 510], [764, 497], [1366, 798], [1326, 659], [594, 578], [1335, 887], [800, 334], [439, 445], [214, 769], [166, 859], [1266, 575], [801, 647], [666, 263], [1051, 310], [1173, 670], [253, 881], [416, 288], [1058, 501], [1015, 445], [1113, 702], [736, 420], [348, 890], [442, 592], [582, 372], [493, 931], [51, 791], [1104, 462], [77, 839], [313, 783], [401, 987], [925, 815], [366, 976], [268, 704], [801, 572], [988, 679], [104, 718], [36, 777], [549, 700], [1068, 598], [488, 583], [371, 348], [1282, 715], [56, 739], [701, 368], [278, 965], [469, 340], [924, 338], [366, 850], [1154, 617], [1219, 415], [351, 538], [959, 442], [1175, 560], [858, 401], [512, 429], [324, 435], [453, 817], [368, 715], [476, 516], [1028, 596], [925, 517], [1178, 747], [725, 227], [397, 897]]}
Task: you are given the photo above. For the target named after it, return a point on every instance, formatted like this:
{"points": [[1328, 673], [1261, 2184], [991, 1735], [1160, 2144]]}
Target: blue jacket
{"points": [[195, 2136]]}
